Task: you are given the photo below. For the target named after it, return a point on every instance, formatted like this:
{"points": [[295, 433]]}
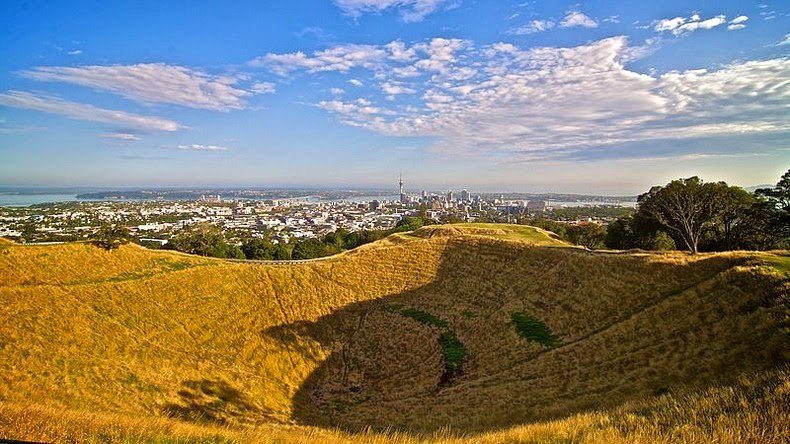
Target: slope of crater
{"points": [[474, 327]]}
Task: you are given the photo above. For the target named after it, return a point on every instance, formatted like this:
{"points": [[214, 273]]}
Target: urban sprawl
{"points": [[157, 221]]}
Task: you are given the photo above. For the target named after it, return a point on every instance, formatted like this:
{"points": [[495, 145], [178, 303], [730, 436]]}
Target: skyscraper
{"points": [[465, 196], [403, 198]]}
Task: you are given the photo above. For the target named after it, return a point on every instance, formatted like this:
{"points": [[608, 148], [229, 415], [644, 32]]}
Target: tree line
{"points": [[692, 215], [209, 240]]}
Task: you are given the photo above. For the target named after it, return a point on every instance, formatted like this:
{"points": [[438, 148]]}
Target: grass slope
{"points": [[149, 343]]}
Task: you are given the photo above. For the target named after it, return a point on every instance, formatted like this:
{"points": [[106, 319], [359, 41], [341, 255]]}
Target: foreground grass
{"points": [[756, 409]]}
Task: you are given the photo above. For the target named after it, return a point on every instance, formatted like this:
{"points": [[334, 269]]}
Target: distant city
{"points": [[154, 216]]}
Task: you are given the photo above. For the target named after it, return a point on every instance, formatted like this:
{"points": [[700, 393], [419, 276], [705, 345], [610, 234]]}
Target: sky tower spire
{"points": [[401, 194]]}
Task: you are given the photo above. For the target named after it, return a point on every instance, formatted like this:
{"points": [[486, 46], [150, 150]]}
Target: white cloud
{"points": [[263, 88], [533, 27], [356, 113], [784, 41], [393, 89], [123, 137], [151, 83], [200, 147], [503, 47], [440, 52], [434, 56], [546, 102], [669, 24], [735, 27], [576, 18], [570, 20], [75, 52], [682, 25], [406, 71], [411, 10], [739, 19], [338, 58], [399, 51], [337, 91], [82, 111]]}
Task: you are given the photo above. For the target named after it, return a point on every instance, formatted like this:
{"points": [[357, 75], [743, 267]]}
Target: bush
{"points": [[532, 329], [110, 237]]}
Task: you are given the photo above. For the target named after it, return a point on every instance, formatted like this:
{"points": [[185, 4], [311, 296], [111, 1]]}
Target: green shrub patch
{"points": [[532, 329], [453, 350]]}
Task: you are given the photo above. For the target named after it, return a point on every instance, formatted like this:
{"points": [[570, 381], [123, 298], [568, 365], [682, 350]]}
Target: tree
{"points": [[29, 232], [732, 204], [686, 207], [620, 235], [337, 239], [637, 231], [311, 249], [283, 252], [111, 236], [589, 235], [451, 219], [257, 248], [205, 239], [412, 223], [777, 207], [758, 231]]}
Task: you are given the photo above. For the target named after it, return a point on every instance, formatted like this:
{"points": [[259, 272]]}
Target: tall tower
{"points": [[402, 195]]}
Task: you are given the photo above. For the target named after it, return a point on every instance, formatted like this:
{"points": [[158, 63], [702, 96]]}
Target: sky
{"points": [[604, 97]]}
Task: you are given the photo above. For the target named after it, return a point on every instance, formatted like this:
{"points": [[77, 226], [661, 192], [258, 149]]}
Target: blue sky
{"points": [[598, 97]]}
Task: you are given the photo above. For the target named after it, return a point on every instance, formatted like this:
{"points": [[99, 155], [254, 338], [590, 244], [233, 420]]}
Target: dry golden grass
{"points": [[752, 410], [139, 345]]}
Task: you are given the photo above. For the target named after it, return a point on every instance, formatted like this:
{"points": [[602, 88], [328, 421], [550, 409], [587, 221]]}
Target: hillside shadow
{"points": [[388, 366]]}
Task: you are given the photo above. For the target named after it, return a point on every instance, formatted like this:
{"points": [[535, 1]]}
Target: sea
{"points": [[24, 200]]}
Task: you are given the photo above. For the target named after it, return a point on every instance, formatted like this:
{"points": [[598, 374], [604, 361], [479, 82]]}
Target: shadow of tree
{"points": [[215, 401]]}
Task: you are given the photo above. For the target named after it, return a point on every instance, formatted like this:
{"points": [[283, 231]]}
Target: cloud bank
{"points": [[547, 102]]}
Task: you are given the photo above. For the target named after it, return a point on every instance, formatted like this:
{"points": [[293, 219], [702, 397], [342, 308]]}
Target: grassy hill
{"points": [[479, 328]]}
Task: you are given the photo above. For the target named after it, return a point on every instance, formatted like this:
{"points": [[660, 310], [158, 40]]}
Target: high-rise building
{"points": [[403, 197], [465, 196]]}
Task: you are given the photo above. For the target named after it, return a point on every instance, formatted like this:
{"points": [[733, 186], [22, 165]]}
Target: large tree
{"points": [[685, 207], [111, 236], [732, 204], [206, 240], [777, 203], [589, 235]]}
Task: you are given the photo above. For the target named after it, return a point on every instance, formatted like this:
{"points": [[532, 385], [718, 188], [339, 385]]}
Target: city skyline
{"points": [[589, 98]]}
